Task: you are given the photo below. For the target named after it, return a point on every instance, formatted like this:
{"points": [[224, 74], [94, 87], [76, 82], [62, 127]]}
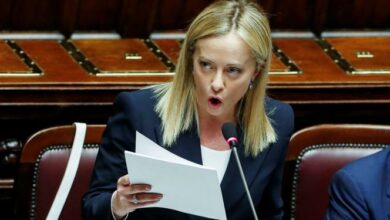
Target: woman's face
{"points": [[223, 68]]}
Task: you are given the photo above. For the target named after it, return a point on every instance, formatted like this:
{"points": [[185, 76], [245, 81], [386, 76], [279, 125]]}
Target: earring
{"points": [[251, 84]]}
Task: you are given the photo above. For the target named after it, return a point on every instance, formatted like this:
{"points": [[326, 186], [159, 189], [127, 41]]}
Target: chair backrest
{"points": [[42, 165], [317, 153]]}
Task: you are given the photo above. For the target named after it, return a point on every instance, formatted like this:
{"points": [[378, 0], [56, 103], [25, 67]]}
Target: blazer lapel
{"points": [[186, 146], [232, 187]]}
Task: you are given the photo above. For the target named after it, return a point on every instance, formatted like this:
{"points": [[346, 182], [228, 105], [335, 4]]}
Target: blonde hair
{"points": [[177, 102]]}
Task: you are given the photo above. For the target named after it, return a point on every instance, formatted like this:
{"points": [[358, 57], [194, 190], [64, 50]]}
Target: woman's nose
{"points": [[217, 83]]}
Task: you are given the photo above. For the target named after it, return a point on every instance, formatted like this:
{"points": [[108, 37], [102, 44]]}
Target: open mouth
{"points": [[214, 102]]}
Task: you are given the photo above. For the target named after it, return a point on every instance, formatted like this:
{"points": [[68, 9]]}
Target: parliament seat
{"points": [[42, 165], [316, 153]]}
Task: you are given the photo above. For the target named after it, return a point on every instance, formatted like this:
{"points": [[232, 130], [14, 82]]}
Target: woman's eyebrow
{"points": [[205, 59]]}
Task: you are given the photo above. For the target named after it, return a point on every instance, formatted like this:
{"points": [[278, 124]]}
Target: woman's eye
{"points": [[233, 70], [204, 65]]}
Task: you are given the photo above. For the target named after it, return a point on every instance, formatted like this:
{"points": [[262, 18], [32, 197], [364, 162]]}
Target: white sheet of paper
{"points": [[144, 145], [186, 186]]}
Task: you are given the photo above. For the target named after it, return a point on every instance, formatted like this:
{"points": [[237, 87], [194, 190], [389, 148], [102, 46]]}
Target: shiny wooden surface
{"points": [[170, 47], [9, 62], [320, 70], [317, 68], [65, 84], [110, 55], [377, 46], [64, 81]]}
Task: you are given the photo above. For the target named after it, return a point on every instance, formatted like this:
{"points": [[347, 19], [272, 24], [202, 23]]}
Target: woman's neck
{"points": [[210, 132]]}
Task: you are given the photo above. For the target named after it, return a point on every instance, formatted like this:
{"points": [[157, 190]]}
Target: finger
{"points": [[148, 197], [140, 188], [142, 204], [133, 189], [124, 180]]}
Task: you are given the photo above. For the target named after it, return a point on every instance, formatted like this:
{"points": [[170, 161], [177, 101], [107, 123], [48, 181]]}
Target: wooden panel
{"points": [[319, 68], [318, 16], [68, 17], [65, 83], [9, 61], [184, 15], [358, 14], [318, 71], [277, 65], [267, 5], [60, 70], [170, 14], [366, 55], [380, 18], [177, 14], [110, 56], [98, 14], [137, 18], [44, 15], [193, 8], [35, 15], [298, 13], [322, 81], [171, 48], [5, 11], [55, 62]]}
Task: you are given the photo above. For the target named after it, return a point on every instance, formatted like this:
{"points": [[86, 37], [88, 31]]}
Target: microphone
{"points": [[230, 135]]}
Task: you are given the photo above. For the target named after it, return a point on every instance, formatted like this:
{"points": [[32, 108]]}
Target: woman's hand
{"points": [[128, 197]]}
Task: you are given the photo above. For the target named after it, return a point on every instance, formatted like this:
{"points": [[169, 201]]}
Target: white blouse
{"points": [[216, 159]]}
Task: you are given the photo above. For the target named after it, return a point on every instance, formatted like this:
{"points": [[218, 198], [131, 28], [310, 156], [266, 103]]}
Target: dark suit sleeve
{"points": [[346, 199], [110, 162], [271, 206]]}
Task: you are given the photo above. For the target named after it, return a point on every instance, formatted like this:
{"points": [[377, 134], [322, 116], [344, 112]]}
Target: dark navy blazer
{"points": [[135, 111], [361, 189]]}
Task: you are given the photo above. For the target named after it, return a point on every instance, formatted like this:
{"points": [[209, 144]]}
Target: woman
{"points": [[221, 76]]}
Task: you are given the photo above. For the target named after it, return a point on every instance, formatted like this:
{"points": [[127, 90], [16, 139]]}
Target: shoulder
{"points": [[281, 115], [276, 108], [142, 96], [366, 168], [361, 175], [142, 100], [136, 104], [347, 197], [357, 190]]}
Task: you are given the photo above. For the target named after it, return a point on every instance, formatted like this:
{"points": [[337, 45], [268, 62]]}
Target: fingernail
{"points": [[148, 188]]}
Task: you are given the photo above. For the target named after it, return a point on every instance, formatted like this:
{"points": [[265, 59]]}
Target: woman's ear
{"points": [[259, 69], [255, 74]]}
